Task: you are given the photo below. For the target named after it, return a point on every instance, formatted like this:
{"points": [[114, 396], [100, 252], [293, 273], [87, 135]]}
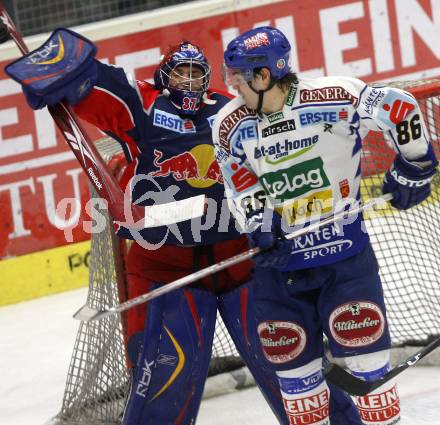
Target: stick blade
{"points": [[346, 381], [175, 212], [88, 314]]}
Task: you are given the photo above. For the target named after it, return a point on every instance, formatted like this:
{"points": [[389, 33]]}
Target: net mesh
{"points": [[407, 244], [37, 16]]}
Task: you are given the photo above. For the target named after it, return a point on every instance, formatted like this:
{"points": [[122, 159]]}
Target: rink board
{"points": [[44, 273]]}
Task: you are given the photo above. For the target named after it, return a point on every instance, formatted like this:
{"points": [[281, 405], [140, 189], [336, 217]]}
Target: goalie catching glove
{"points": [[62, 68], [410, 182], [265, 233]]}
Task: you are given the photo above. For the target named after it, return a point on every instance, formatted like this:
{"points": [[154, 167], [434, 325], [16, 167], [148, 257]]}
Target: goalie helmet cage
{"points": [[407, 244]]}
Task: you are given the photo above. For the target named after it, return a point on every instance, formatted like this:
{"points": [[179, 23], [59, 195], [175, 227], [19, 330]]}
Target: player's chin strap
{"points": [[261, 93]]}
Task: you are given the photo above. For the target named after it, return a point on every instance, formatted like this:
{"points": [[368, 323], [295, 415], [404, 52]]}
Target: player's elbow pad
{"points": [[63, 68]]}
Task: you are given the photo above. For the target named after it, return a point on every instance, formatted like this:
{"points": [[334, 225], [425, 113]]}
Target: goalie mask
{"points": [[184, 73]]}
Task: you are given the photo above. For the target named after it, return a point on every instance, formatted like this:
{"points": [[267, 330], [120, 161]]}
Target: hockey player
{"points": [[293, 144], [165, 132]]}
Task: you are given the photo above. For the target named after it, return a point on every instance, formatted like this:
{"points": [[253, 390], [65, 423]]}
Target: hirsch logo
{"points": [[296, 180], [278, 128], [46, 51], [357, 324]]}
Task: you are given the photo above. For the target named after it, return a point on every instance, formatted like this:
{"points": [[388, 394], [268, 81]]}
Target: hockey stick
{"points": [[119, 205], [338, 376], [88, 314]]}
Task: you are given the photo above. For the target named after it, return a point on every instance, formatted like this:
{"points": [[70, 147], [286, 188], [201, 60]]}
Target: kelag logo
{"points": [[278, 128], [295, 180]]}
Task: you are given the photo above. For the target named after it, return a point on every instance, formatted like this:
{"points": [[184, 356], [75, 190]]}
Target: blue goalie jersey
{"points": [[165, 151]]}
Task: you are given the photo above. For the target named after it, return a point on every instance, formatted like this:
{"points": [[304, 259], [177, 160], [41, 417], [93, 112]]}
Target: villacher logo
{"points": [[278, 128]]}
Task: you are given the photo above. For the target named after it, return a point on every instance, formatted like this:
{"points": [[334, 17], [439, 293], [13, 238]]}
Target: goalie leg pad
{"points": [[173, 362], [62, 68]]}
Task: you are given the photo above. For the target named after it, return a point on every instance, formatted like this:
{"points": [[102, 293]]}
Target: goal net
{"points": [[407, 244]]}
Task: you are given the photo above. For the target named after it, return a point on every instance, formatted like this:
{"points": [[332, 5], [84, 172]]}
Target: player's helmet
{"points": [[263, 47], [192, 86]]}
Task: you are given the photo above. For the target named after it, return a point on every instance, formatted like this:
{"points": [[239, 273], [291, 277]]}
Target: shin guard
{"points": [[173, 360]]}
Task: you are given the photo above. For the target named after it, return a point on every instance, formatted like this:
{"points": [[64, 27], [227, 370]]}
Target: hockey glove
{"points": [[268, 236], [62, 68], [409, 182]]}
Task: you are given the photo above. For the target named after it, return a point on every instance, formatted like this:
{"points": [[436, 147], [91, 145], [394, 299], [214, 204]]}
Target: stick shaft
{"points": [[353, 385], [85, 313]]}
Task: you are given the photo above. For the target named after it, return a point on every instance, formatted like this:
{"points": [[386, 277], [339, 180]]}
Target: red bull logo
{"points": [[198, 167]]}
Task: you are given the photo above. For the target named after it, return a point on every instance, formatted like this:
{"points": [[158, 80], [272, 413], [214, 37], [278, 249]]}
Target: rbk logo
{"points": [[46, 51]]}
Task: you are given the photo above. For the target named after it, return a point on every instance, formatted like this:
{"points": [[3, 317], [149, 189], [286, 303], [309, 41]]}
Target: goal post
{"points": [[407, 245]]}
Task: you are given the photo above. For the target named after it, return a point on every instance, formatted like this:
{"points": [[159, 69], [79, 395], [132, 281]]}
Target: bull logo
{"points": [[198, 167]]}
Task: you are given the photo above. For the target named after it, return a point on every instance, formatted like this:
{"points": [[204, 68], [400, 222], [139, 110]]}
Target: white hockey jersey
{"points": [[305, 159]]}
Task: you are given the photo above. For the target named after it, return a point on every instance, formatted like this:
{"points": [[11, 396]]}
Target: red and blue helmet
{"points": [[262, 47], [188, 94]]}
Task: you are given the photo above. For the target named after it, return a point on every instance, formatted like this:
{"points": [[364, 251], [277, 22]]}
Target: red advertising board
{"points": [[372, 40]]}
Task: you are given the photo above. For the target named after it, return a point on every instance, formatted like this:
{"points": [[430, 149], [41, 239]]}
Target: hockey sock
{"points": [[305, 394], [382, 406]]}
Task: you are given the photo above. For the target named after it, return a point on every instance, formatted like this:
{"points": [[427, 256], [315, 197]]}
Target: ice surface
{"points": [[36, 341]]}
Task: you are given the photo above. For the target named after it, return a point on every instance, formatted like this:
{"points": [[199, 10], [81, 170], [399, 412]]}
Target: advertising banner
{"points": [[369, 39]]}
